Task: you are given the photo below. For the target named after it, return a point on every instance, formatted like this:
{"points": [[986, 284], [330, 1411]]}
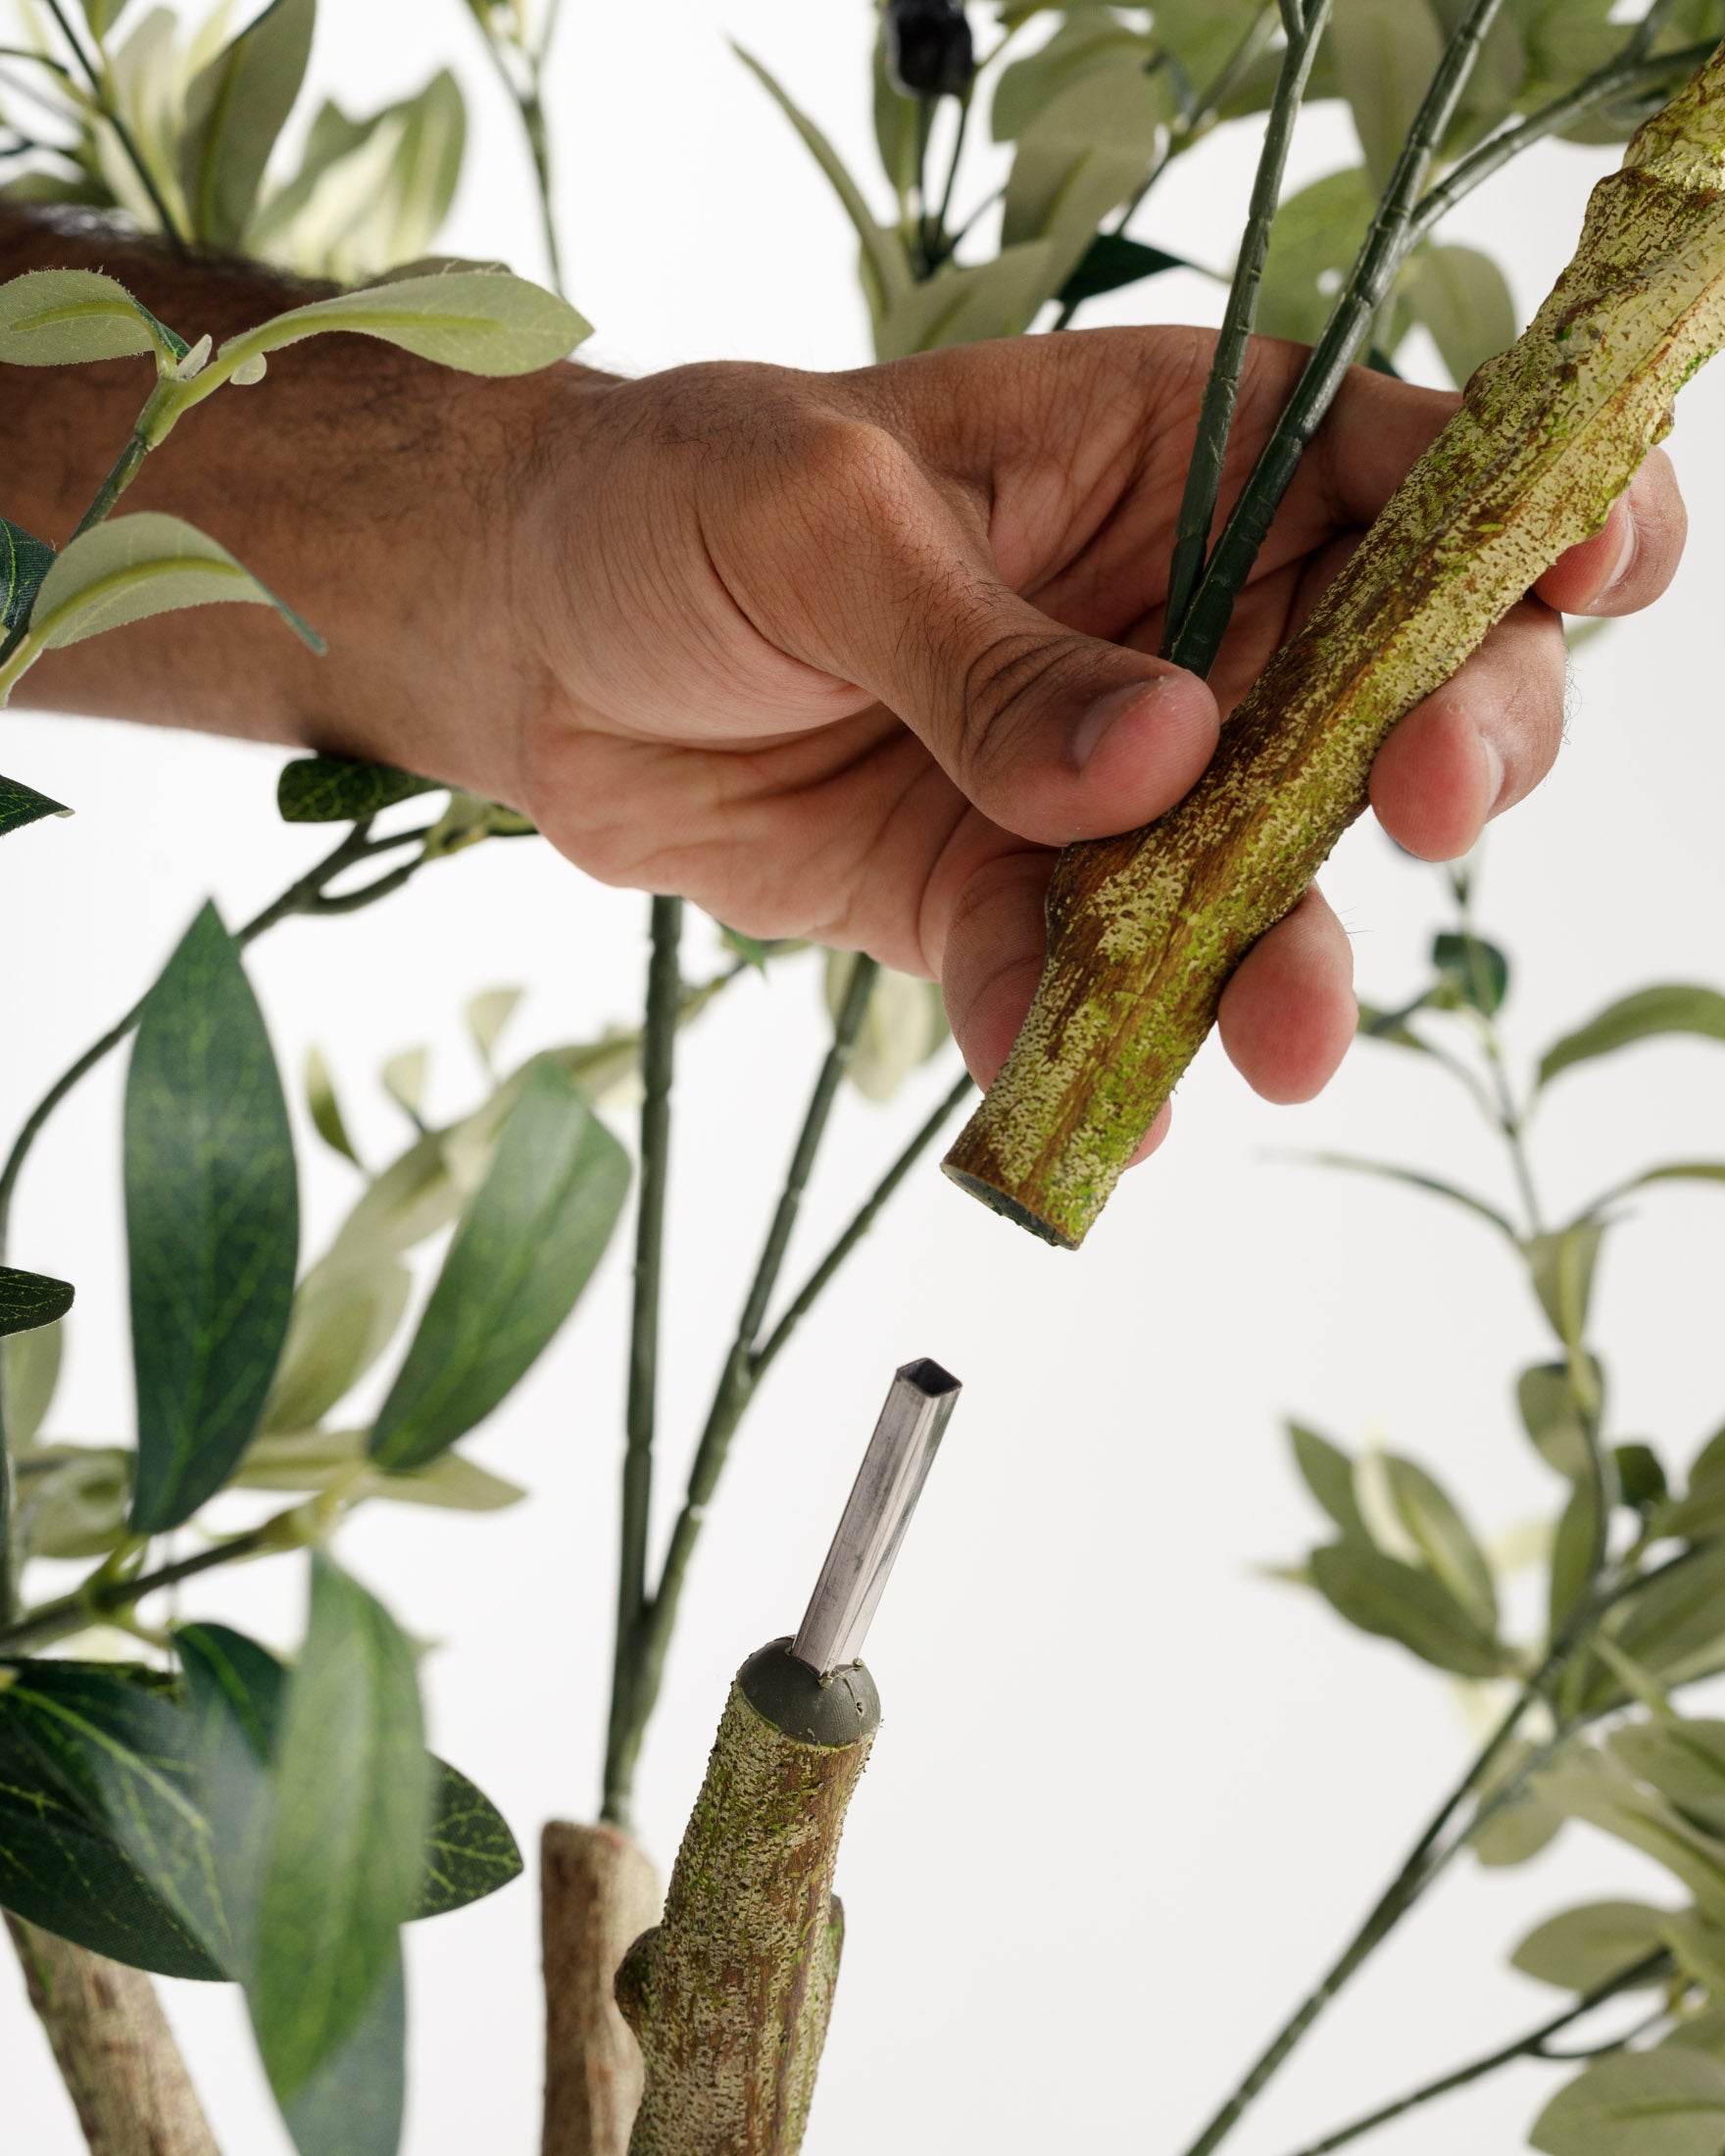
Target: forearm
{"points": [[373, 492]]}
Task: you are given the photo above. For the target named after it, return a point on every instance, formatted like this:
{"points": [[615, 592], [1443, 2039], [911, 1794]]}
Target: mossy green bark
{"points": [[1145, 930], [729, 1997]]}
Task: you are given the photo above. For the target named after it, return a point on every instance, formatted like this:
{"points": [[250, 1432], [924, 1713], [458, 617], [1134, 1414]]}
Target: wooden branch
{"points": [[598, 1894], [1145, 930], [114, 2049], [730, 1996]]}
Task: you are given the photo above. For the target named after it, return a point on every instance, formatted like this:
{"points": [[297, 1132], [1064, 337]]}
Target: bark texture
{"points": [[114, 2049], [598, 1894], [1145, 930], [730, 1996]]}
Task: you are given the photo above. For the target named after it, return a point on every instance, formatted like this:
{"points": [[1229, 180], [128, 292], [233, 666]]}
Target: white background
{"points": [[1129, 1792]]}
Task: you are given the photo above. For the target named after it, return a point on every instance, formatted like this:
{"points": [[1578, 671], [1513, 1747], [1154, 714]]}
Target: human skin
{"points": [[839, 656]]}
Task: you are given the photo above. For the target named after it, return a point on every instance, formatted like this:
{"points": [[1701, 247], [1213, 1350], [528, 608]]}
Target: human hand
{"points": [[850, 656]]}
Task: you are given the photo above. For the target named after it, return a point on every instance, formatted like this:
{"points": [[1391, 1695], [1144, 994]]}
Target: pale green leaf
{"points": [[1560, 1266], [1575, 1552], [404, 1080], [1674, 1626], [71, 1500], [481, 322], [1083, 154], [991, 299], [1683, 1760], [135, 566], [345, 1313], [235, 111], [316, 1459], [1586, 1948], [1088, 39], [326, 1109], [1464, 299], [55, 318], [1666, 2103], [1328, 1473], [29, 1372], [487, 1014], [1552, 1416], [1443, 1539], [1315, 236], [1385, 53], [1674, 1007], [1605, 1798], [1396, 1601], [905, 1024]]}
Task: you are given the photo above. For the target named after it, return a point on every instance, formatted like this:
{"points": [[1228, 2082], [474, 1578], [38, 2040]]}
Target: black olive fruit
{"points": [[929, 48]]}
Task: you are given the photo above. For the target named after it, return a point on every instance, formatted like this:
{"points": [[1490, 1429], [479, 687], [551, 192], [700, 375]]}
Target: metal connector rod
{"points": [[888, 1482]]}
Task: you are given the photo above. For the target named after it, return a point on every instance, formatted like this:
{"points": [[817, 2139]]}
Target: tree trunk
{"points": [[115, 2050], [598, 1894], [1145, 930], [730, 1996]]}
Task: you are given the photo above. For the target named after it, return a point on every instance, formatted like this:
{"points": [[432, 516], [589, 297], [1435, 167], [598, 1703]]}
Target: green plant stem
{"points": [[730, 1399], [861, 1222], [1204, 475], [937, 244], [1533, 2045], [1368, 283], [105, 105], [99, 1598], [658, 1066]]}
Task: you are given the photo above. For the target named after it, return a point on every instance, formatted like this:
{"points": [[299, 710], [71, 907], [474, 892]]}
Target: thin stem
{"points": [[1530, 2046], [658, 1066], [861, 1221], [1374, 271], [1204, 475], [105, 105], [1648, 29], [99, 1598], [936, 244], [126, 467], [732, 1397]]}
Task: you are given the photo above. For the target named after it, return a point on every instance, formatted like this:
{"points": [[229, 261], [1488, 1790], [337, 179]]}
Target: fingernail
{"points": [[1493, 761], [1624, 563], [1087, 735]]}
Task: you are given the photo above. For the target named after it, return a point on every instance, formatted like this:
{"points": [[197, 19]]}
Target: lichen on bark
{"points": [[1145, 930]]}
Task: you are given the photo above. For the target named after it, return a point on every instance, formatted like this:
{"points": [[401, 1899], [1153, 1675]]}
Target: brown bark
{"points": [[598, 1894], [730, 1996], [114, 2049]]}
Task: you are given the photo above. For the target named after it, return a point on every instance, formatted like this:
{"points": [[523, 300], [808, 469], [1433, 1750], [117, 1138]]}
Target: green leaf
{"points": [[487, 1014], [1703, 2032], [886, 272], [1090, 39], [1443, 1539], [1596, 1792], [71, 1500], [23, 563], [1112, 262], [481, 322], [1464, 299], [1522, 1825], [1085, 151], [526, 1249], [334, 790], [234, 109], [316, 1459], [993, 299], [133, 566], [1586, 1948], [1328, 1473], [102, 15], [29, 1373], [1674, 1007], [1674, 1626], [82, 1747], [904, 1026], [212, 1224], [1641, 1475], [1380, 1594], [1575, 1549], [1684, 1761], [344, 1842], [57, 317], [30, 1300], [1670, 1171], [1560, 1266], [22, 805], [1385, 53], [1545, 1396], [1315, 239], [1666, 2102], [1475, 971], [345, 1314], [324, 1108], [1418, 1182], [898, 123]]}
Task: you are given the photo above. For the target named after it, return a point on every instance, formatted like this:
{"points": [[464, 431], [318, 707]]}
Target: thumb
{"points": [[1053, 735]]}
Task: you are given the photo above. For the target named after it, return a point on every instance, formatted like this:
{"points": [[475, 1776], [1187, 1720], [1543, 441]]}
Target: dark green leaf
{"points": [[352, 2102], [1443, 1539], [1684, 1761], [85, 1752], [212, 1224], [1553, 1418], [23, 563], [1396, 1601], [345, 1842], [30, 1300], [326, 1109], [1111, 263], [1666, 2103], [334, 790], [1674, 1627], [524, 1251], [235, 111], [1672, 1007], [22, 805], [1641, 1475], [1560, 1266], [1328, 1473], [1476, 970], [1392, 1025], [1586, 1948]]}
